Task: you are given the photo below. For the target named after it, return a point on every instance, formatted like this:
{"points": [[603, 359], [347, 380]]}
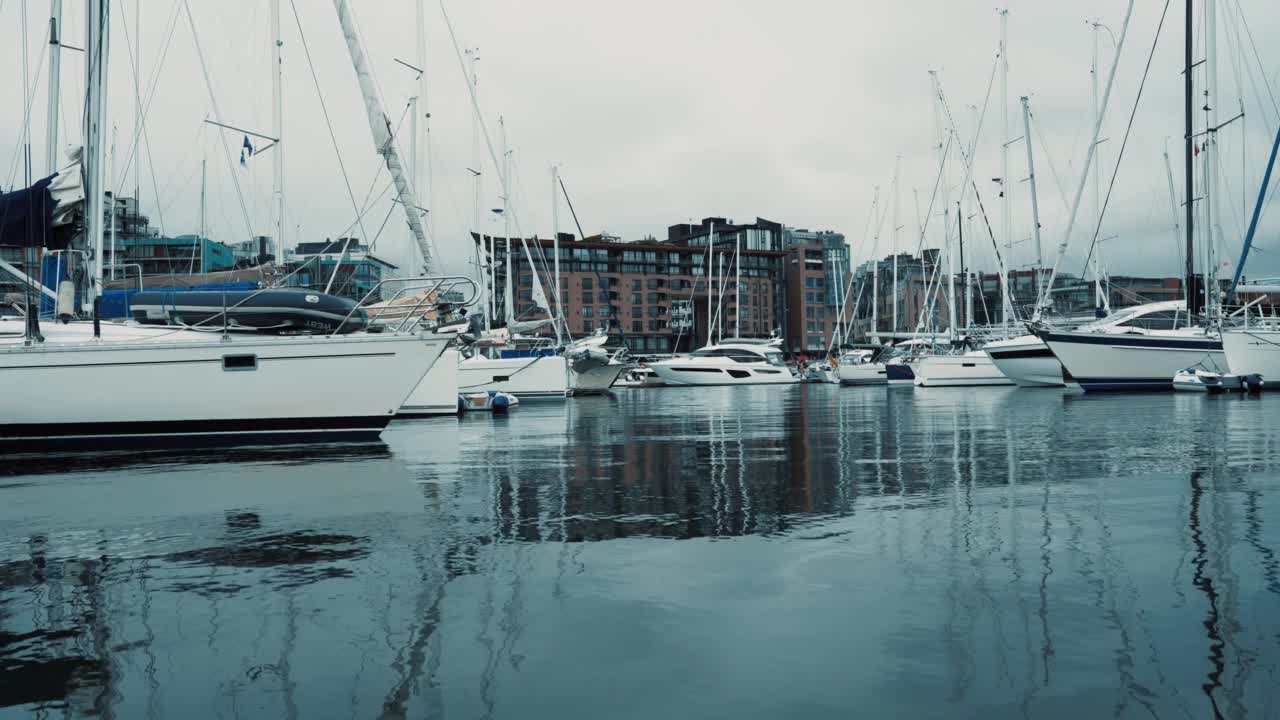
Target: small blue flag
{"points": [[246, 151]]}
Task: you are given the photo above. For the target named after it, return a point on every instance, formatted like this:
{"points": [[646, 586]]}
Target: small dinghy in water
{"points": [[491, 400], [277, 310]]}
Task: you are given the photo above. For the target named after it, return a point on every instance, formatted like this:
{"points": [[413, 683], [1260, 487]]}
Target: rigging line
{"points": [[213, 100], [1053, 169], [1257, 58], [324, 109], [29, 101], [1106, 202], [350, 280], [153, 82]]}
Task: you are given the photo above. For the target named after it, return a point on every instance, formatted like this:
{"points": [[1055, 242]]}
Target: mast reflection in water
{"points": [[708, 552]]}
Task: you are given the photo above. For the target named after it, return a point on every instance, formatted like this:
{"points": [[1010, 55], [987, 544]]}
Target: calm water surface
{"points": [[762, 552]]}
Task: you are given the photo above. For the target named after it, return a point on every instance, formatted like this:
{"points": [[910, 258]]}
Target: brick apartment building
{"points": [[657, 295]]}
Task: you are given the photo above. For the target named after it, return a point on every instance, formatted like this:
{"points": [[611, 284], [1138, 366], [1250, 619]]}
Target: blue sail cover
{"points": [[26, 218]]}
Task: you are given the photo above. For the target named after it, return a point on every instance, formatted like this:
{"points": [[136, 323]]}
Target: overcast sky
{"points": [[669, 110]]}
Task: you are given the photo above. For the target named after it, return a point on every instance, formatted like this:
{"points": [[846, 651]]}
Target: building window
{"points": [[637, 312], [808, 297], [654, 284], [636, 298], [808, 282], [526, 279], [808, 312], [637, 284], [587, 284], [819, 282], [653, 297], [653, 311], [588, 311], [587, 297], [637, 326], [812, 327]]}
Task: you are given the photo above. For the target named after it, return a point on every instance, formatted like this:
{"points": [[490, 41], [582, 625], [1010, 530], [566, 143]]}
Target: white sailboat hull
{"points": [[970, 369], [596, 380], [204, 388], [437, 392], [863, 374], [1027, 361], [1249, 351], [526, 378], [1113, 362]]}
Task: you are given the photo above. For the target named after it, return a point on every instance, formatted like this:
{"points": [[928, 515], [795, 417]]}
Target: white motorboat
{"points": [[189, 387], [1140, 348], [732, 362], [821, 373], [972, 368], [1027, 361]]}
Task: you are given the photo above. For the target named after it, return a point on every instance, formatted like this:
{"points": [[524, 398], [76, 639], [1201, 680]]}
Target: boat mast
{"points": [[1006, 187], [1188, 87], [1035, 202], [1042, 302], [897, 193], [875, 266], [383, 139], [423, 107], [488, 299], [203, 179], [111, 172], [711, 239], [1094, 176], [555, 245], [55, 79], [1210, 161], [964, 270], [946, 211], [737, 285], [277, 128], [97, 51], [508, 303]]}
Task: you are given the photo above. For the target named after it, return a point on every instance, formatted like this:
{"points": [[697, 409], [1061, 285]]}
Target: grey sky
{"points": [[669, 110]]}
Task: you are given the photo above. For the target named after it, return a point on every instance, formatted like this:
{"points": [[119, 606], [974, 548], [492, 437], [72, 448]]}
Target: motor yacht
{"points": [[731, 362]]}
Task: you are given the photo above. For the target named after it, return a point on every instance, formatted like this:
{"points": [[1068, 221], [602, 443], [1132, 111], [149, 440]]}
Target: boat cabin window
{"points": [[1166, 320], [775, 358], [743, 356]]}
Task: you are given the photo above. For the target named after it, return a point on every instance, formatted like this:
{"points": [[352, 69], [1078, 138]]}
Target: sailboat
{"points": [[1145, 352], [71, 383]]}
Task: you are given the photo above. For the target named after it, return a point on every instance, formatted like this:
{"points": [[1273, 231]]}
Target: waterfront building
{"points": [[657, 296]]}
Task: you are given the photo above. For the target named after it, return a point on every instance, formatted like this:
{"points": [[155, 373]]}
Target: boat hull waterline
{"points": [[211, 390], [967, 370], [1132, 362], [1027, 361]]}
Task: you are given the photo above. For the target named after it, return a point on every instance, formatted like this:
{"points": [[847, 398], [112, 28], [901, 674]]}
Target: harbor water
{"points": [[746, 552]]}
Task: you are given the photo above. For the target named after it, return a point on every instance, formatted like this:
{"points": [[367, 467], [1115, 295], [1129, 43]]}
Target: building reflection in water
{"points": [[988, 551]]}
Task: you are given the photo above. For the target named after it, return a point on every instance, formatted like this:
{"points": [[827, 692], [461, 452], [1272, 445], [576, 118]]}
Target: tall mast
{"points": [[1188, 87], [423, 179], [1006, 187], [1099, 300], [1173, 200], [55, 79], [964, 270], [486, 276], [1035, 202], [737, 285], [1210, 160], [383, 140], [555, 245], [897, 193], [1043, 301], [875, 267], [946, 210], [507, 285], [711, 241], [203, 179], [111, 171], [277, 128], [97, 51], [720, 299]]}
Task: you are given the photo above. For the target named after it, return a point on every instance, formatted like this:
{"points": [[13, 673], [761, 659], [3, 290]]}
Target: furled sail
{"points": [[383, 137]]}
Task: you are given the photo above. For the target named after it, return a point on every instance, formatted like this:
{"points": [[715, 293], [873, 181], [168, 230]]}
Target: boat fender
{"points": [[501, 402]]}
